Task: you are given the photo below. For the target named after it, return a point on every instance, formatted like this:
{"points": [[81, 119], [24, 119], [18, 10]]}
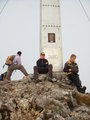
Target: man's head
{"points": [[42, 55], [73, 58], [19, 53]]}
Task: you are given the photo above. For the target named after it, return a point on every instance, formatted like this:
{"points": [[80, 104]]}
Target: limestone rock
{"points": [[82, 98], [44, 100]]}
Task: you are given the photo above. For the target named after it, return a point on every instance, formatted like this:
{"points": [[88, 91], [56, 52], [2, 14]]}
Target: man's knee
{"points": [[20, 67], [35, 68], [50, 66], [8, 75]]}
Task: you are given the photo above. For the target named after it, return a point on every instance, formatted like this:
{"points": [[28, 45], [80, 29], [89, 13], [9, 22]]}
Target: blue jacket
{"points": [[0, 78]]}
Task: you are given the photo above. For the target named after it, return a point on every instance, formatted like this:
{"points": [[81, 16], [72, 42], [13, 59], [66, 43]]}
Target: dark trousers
{"points": [[43, 70], [75, 79]]}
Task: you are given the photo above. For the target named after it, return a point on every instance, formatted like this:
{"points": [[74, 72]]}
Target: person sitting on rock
{"points": [[16, 65], [71, 68], [43, 67], [2, 77]]}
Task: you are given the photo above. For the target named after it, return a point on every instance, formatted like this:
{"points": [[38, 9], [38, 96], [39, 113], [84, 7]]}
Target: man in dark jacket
{"points": [[71, 68], [42, 67]]}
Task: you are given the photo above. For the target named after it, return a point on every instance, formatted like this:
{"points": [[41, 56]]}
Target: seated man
{"points": [[2, 77], [71, 68], [16, 65], [42, 67]]}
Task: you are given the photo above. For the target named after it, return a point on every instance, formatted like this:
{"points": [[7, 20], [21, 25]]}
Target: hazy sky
{"points": [[20, 30]]}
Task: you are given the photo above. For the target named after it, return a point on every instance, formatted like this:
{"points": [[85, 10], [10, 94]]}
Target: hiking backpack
{"points": [[9, 60]]}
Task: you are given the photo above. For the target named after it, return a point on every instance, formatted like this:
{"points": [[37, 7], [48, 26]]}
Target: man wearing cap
{"points": [[42, 67], [71, 68]]}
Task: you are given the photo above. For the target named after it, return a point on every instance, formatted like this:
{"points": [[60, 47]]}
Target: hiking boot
{"points": [[37, 81], [50, 79], [82, 89]]}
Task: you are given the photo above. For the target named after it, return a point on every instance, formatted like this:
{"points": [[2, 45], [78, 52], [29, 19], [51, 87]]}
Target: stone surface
{"points": [[44, 100]]}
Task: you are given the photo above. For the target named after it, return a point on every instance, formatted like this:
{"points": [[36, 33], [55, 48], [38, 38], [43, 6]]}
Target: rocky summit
{"points": [[27, 99]]}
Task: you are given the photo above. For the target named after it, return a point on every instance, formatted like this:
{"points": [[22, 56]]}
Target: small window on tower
{"points": [[51, 37]]}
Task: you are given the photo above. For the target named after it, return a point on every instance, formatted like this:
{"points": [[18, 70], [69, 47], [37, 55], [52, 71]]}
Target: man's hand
{"points": [[46, 63], [75, 70]]}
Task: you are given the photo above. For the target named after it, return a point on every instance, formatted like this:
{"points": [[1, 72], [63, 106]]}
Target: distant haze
{"points": [[20, 30]]}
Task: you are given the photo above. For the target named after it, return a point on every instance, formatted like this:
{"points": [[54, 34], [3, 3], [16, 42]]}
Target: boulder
{"points": [[43, 100]]}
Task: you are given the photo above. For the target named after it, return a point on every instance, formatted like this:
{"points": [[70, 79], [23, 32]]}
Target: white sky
{"points": [[20, 30]]}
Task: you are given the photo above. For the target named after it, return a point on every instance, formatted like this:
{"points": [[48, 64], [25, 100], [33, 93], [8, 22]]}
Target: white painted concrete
{"points": [[51, 23]]}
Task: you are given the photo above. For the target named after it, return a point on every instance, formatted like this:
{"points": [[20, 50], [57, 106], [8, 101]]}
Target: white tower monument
{"points": [[51, 39]]}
